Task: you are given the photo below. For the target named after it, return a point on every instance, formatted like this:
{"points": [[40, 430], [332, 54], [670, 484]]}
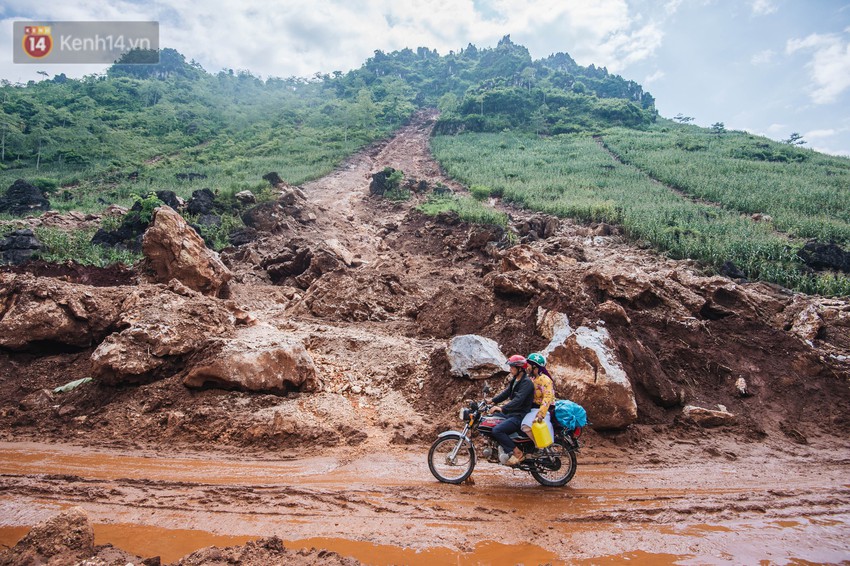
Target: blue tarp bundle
{"points": [[570, 415]]}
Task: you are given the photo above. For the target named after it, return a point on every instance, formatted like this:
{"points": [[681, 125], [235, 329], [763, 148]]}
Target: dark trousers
{"points": [[503, 430]]}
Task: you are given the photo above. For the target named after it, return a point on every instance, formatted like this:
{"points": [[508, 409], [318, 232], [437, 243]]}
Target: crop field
{"points": [[807, 194], [574, 176]]}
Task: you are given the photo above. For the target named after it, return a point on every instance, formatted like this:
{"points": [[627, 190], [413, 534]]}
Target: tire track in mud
{"points": [[424, 503], [393, 499]]}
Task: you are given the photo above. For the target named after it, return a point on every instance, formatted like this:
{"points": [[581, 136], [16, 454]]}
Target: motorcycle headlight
{"points": [[463, 414]]}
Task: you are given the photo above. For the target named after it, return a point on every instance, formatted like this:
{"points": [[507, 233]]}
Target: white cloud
{"points": [[672, 6], [829, 66], [301, 37], [774, 129], [816, 134], [657, 75], [763, 57], [763, 7]]}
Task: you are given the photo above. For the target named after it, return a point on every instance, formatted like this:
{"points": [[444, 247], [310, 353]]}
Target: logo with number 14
{"points": [[37, 41]]}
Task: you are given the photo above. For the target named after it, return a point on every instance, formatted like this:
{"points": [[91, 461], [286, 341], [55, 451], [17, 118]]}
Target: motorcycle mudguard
{"points": [[453, 433]]}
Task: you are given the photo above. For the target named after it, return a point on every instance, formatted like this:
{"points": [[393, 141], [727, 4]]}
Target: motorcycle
{"points": [[452, 456]]}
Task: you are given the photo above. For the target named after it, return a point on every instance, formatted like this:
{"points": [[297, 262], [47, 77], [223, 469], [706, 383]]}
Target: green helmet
{"points": [[537, 359]]}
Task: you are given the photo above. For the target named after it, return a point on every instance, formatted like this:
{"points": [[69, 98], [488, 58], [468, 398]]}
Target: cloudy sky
{"points": [[771, 67]]}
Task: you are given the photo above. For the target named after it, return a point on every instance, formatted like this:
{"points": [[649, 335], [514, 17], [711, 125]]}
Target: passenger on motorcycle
{"points": [[520, 392], [544, 394]]}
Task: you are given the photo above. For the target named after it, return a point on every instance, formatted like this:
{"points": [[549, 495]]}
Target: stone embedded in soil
{"points": [[587, 370], [40, 311], [258, 358], [173, 250], [265, 217], [63, 539], [264, 552], [808, 323], [475, 357], [708, 417]]}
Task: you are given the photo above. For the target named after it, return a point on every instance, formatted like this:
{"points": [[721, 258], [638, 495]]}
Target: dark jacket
{"points": [[521, 394]]}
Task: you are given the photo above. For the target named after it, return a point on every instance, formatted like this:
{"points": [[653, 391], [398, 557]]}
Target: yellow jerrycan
{"points": [[541, 435]]}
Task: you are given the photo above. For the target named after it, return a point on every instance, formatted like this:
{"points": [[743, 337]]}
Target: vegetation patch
{"points": [[573, 176], [468, 209]]}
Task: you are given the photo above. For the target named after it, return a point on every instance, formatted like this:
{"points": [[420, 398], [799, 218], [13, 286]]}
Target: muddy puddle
{"points": [[387, 509]]}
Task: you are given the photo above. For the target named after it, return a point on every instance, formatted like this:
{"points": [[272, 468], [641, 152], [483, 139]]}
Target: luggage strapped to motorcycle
{"points": [[569, 414]]}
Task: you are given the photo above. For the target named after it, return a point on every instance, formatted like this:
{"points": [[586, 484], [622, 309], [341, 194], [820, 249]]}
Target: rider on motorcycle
{"points": [[520, 392], [544, 394]]}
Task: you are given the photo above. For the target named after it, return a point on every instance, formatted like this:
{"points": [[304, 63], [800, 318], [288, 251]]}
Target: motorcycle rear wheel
{"points": [[565, 472], [447, 469]]}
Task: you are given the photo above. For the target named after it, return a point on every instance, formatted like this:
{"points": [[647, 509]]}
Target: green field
{"points": [[574, 176], [806, 193]]}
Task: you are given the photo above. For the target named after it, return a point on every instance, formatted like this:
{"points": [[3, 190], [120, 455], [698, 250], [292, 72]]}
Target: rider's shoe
{"points": [[513, 460]]}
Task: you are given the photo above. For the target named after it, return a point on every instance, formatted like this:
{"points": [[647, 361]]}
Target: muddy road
{"points": [[383, 507]]}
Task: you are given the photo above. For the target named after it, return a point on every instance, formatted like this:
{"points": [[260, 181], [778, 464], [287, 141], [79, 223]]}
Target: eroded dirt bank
{"points": [[374, 290]]}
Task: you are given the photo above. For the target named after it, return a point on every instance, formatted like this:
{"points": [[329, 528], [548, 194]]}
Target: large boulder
{"points": [[38, 311], [18, 246], [22, 198], [161, 328], [475, 357], [258, 358], [587, 370], [173, 250], [66, 538]]}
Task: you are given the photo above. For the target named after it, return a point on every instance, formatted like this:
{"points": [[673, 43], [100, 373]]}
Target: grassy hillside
{"points": [[512, 125], [806, 193], [103, 140], [575, 176]]}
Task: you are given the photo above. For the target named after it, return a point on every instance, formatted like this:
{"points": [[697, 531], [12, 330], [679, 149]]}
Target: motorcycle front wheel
{"points": [[451, 458], [557, 467]]}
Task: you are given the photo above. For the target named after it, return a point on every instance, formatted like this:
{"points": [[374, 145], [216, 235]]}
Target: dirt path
{"points": [[386, 508]]}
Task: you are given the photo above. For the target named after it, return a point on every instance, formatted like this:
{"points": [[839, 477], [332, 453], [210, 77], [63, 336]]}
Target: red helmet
{"points": [[517, 361]]}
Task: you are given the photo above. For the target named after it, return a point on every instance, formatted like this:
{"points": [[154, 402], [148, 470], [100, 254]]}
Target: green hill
{"points": [[548, 134]]}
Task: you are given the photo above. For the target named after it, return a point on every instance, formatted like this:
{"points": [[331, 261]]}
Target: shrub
{"points": [[479, 192]]}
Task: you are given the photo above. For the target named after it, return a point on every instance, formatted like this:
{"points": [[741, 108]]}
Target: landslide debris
{"points": [[342, 304]]}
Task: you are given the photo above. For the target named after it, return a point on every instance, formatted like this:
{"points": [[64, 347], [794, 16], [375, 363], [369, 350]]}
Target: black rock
{"points": [[730, 270], [22, 198], [209, 220], [242, 236], [169, 198], [273, 178], [19, 246], [825, 256], [202, 202], [379, 184]]}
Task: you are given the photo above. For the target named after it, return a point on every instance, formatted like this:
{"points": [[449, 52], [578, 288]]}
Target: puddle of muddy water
{"points": [[172, 544]]}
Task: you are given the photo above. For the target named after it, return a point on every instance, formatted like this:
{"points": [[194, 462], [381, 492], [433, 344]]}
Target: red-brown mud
{"points": [[161, 469], [383, 507]]}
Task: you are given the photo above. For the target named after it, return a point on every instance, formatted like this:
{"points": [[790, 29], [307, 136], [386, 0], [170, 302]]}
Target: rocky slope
{"points": [[337, 310]]}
